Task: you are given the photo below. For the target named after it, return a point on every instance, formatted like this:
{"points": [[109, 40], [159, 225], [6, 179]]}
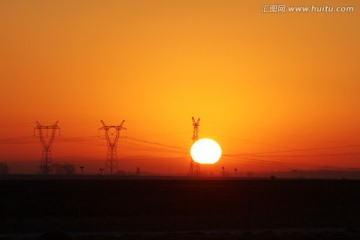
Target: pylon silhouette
{"points": [[194, 166], [47, 143], [112, 134]]}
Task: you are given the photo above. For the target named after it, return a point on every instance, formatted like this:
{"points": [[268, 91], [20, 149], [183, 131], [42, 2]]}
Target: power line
{"points": [[300, 150]]}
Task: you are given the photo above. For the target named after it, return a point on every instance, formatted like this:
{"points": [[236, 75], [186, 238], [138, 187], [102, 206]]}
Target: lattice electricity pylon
{"points": [[194, 166], [112, 135], [46, 142]]}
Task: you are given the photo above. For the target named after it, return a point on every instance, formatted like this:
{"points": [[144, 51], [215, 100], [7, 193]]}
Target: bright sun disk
{"points": [[205, 151]]}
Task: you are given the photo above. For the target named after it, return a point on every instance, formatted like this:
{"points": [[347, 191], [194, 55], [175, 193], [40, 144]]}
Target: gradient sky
{"points": [[277, 91]]}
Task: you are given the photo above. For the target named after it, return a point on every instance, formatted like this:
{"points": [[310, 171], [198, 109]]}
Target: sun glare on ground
{"points": [[205, 151]]}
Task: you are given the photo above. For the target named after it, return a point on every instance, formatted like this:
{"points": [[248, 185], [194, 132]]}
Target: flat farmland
{"points": [[159, 205]]}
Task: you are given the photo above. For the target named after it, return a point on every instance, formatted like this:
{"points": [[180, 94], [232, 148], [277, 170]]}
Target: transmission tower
{"points": [[112, 134], [194, 166], [47, 137]]}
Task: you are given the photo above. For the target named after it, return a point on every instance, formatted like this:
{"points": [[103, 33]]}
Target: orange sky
{"points": [[265, 85]]}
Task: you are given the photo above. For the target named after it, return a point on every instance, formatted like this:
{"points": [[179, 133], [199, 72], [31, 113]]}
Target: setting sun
{"points": [[205, 151]]}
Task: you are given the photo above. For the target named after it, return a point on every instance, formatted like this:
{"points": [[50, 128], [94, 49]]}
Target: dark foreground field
{"points": [[179, 209]]}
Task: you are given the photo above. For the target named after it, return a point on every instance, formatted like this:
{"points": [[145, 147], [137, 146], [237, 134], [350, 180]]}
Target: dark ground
{"points": [[179, 209]]}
